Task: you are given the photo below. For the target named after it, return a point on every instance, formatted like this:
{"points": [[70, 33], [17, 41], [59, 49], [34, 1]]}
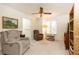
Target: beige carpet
{"points": [[45, 47]]}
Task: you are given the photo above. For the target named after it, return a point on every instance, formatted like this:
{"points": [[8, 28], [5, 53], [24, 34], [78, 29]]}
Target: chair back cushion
{"points": [[13, 35], [35, 33]]}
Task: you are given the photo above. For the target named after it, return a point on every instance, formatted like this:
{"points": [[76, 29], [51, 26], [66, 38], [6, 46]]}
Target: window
{"points": [[49, 27], [27, 27], [26, 23]]}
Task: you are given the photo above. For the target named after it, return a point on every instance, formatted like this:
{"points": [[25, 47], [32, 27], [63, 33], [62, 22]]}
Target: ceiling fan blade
{"points": [[47, 13], [35, 13]]}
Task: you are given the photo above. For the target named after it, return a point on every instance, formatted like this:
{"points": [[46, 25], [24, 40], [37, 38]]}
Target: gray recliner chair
{"points": [[13, 44]]}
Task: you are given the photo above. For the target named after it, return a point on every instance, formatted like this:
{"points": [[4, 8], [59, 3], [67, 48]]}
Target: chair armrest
{"points": [[40, 35]]}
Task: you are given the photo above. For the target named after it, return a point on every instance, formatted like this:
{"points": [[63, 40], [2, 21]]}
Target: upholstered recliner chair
{"points": [[37, 36], [13, 44]]}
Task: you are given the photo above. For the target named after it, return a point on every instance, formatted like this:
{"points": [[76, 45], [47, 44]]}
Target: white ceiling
{"points": [[29, 8]]}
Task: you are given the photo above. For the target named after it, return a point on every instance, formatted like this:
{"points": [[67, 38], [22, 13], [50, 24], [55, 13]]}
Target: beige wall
{"points": [[62, 21], [9, 12], [37, 24]]}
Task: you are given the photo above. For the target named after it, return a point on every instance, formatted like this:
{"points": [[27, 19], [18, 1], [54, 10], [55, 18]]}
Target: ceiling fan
{"points": [[41, 12]]}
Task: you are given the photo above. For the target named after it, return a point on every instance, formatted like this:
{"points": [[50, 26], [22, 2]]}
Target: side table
{"points": [[22, 35]]}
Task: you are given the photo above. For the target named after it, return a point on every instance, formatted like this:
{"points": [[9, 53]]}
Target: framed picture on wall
{"points": [[9, 23]]}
